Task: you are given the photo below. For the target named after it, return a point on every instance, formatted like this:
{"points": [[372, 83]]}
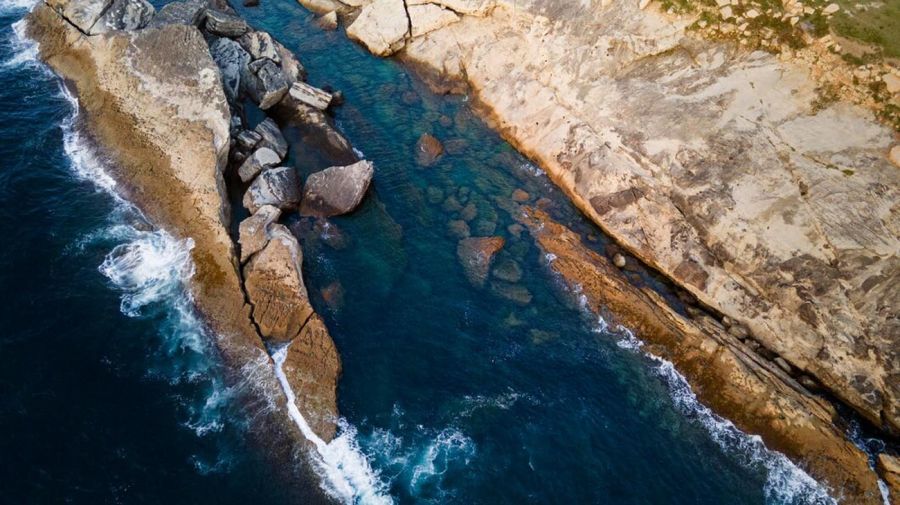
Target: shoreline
{"points": [[447, 62]]}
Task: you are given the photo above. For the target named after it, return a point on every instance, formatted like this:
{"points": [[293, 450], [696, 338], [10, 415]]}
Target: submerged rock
{"points": [[336, 190], [515, 293], [329, 21], [276, 186], [476, 255], [319, 129], [253, 232], [273, 281], [428, 150], [508, 270]]}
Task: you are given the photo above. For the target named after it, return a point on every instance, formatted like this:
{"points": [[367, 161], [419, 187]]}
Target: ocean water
{"points": [[110, 391]]}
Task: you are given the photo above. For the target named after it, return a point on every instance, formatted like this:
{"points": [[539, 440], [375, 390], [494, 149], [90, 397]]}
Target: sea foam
{"points": [[344, 470]]}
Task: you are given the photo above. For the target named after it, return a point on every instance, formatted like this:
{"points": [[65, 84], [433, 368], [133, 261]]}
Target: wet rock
{"points": [[232, 61], [270, 84], [273, 281], [329, 21], [300, 92], [276, 186], [508, 270], [260, 160], [336, 190], [463, 194], [253, 232], [515, 293], [331, 234], [251, 3], [619, 260], [272, 137], [312, 367], [260, 45], [127, 15], [428, 150], [476, 255], [888, 466], [187, 12], [225, 25], [333, 295], [520, 196], [458, 228], [515, 230]]}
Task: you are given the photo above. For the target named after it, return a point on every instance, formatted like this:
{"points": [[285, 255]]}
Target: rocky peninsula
{"points": [[164, 94], [718, 161]]}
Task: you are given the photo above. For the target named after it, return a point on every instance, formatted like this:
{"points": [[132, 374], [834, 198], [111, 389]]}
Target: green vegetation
{"points": [[876, 23]]}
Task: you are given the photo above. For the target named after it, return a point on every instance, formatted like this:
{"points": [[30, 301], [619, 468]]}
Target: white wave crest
{"points": [[8, 7], [345, 472], [23, 50], [786, 483]]}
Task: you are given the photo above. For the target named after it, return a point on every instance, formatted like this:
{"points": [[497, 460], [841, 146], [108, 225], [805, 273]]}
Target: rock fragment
{"points": [[336, 190], [260, 160], [253, 232], [224, 24], [476, 255], [276, 186]]}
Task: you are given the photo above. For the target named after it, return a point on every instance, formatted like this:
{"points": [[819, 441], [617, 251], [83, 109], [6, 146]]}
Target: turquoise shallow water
{"points": [[450, 392]]}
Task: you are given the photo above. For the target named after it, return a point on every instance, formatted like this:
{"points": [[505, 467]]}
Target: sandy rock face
{"points": [[273, 279]]}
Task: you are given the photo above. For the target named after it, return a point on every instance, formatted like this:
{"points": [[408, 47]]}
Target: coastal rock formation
{"points": [[336, 190], [260, 160], [273, 279], [125, 15], [750, 390], [254, 232], [476, 255], [724, 169]]}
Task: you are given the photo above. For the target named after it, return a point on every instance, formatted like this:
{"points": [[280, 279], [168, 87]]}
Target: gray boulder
{"points": [[224, 24], [272, 137], [260, 45], [336, 190], [310, 95], [276, 186], [269, 85], [84, 14], [247, 140], [231, 59], [261, 159], [292, 67], [186, 12], [126, 15]]}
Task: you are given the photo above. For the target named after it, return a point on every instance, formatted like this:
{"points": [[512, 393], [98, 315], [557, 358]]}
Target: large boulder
{"points": [[312, 367], [253, 232], [476, 255], [269, 84], [224, 24], [272, 137], [186, 12], [336, 190], [273, 281], [231, 59], [260, 160], [291, 66], [126, 15], [276, 186], [318, 130], [300, 92], [381, 26]]}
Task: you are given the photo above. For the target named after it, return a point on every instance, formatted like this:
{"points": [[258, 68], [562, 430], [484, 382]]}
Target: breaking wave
{"points": [[786, 483], [344, 470]]}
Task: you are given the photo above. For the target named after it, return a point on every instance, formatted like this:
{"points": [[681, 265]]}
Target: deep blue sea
{"points": [[110, 392]]}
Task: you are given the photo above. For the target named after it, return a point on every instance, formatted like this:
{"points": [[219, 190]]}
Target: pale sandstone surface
{"points": [[709, 164]]}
